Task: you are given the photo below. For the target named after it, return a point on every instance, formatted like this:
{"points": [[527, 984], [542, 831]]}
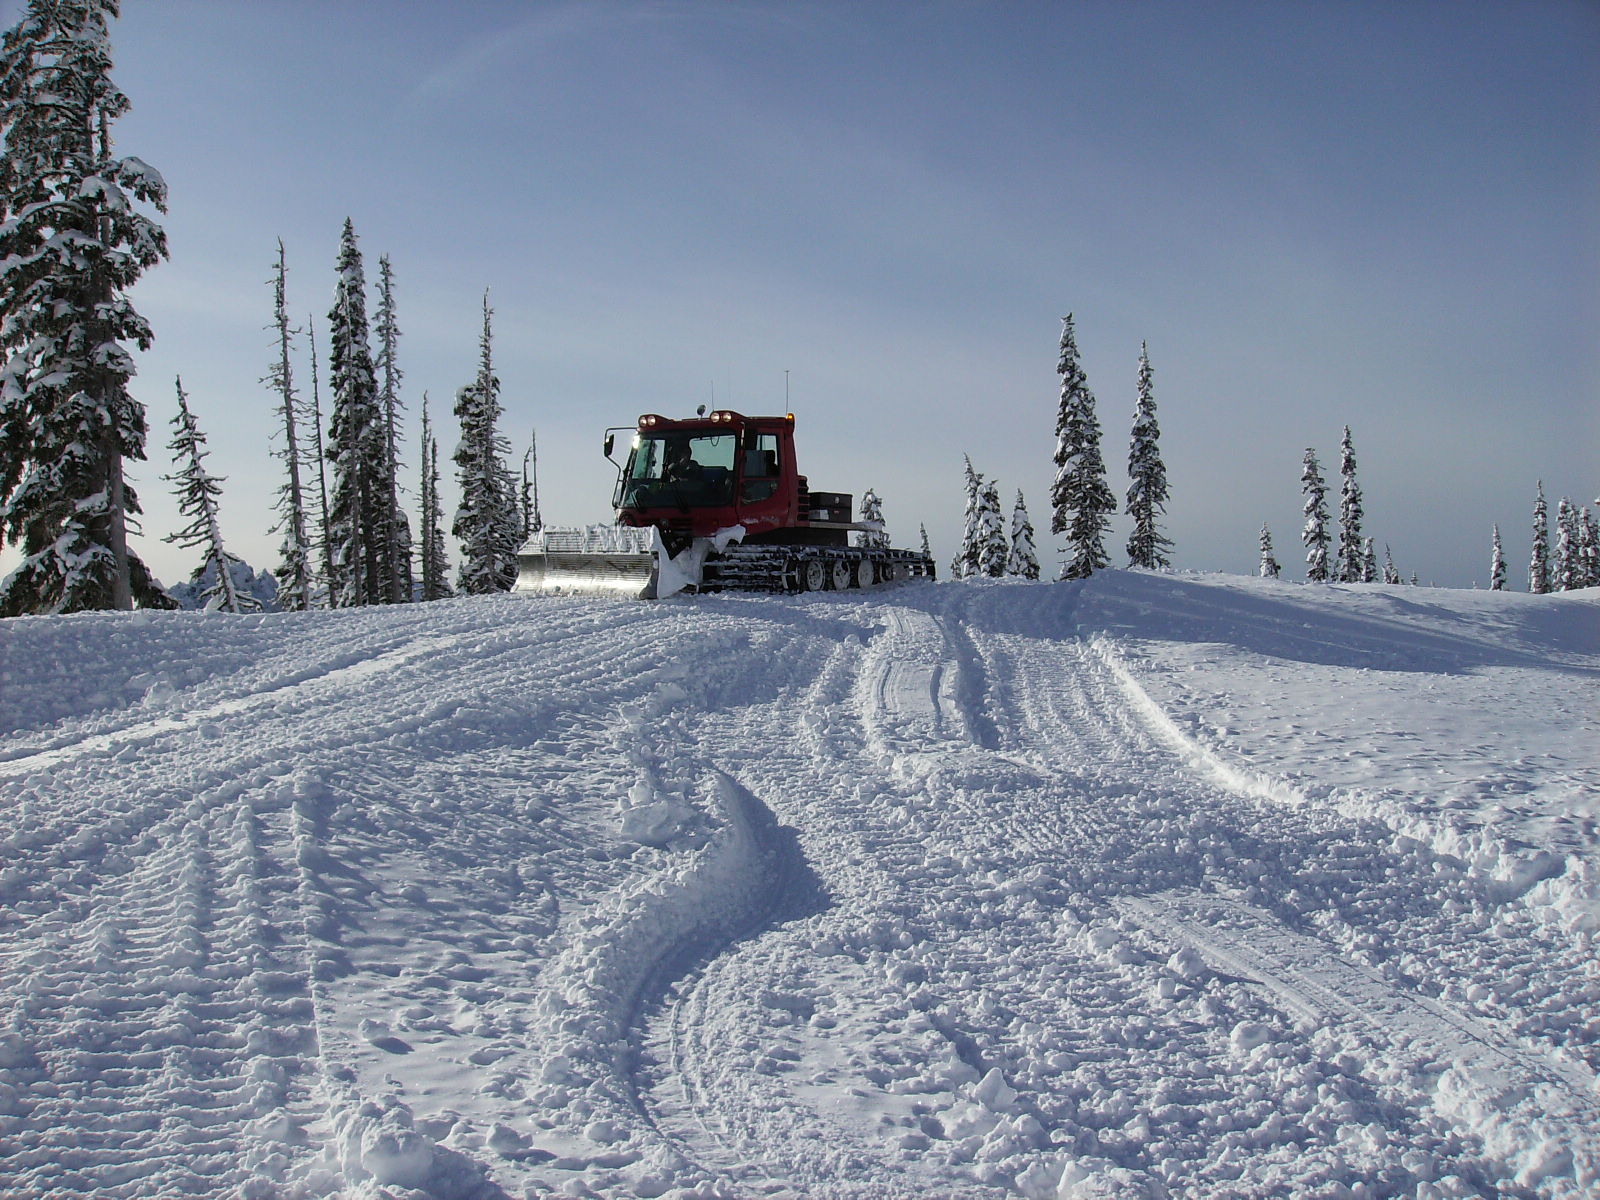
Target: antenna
{"points": [[786, 389]]}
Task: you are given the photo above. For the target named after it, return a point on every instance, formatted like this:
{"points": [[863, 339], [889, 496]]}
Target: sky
{"points": [[876, 214]]}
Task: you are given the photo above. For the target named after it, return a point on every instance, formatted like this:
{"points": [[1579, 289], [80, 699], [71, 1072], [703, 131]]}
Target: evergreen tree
{"points": [[435, 568], [395, 568], [198, 493], [488, 523], [1024, 558], [1369, 561], [532, 521], [1589, 548], [294, 571], [1082, 499], [1539, 559], [927, 551], [356, 442], [1147, 476], [1350, 566], [1315, 533], [872, 513], [1569, 569], [967, 560], [1391, 573], [1497, 565], [993, 549], [72, 243], [324, 541], [1270, 567]]}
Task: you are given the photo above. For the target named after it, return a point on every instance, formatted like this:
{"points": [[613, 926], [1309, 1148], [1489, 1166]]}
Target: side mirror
{"points": [[611, 441]]}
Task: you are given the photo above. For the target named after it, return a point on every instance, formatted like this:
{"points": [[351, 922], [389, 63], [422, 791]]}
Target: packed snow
{"points": [[1150, 885]]}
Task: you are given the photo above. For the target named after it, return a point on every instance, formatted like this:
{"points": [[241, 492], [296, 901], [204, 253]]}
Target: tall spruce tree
{"points": [[1147, 477], [356, 441], [488, 524], [435, 567], [396, 582], [1350, 566], [294, 567], [1270, 567], [927, 551], [1024, 557], [872, 512], [532, 519], [1314, 534], [324, 538], [1497, 564], [72, 243], [993, 549], [1539, 558], [1569, 571], [1082, 500], [1391, 573], [198, 492], [1369, 561], [1589, 547], [967, 560]]}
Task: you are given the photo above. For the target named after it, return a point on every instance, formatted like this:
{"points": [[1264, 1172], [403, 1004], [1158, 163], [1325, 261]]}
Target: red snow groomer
{"points": [[711, 503]]}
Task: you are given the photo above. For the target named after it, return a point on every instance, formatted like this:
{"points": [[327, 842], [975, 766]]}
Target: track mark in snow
{"points": [[1527, 1106]]}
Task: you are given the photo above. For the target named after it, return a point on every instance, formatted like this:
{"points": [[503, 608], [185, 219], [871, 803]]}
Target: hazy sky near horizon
{"points": [[1316, 214]]}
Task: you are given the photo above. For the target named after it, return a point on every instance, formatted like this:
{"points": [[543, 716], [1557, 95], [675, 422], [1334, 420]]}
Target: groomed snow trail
{"points": [[910, 892]]}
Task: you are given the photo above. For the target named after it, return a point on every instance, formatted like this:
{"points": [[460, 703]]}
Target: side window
{"points": [[760, 467]]}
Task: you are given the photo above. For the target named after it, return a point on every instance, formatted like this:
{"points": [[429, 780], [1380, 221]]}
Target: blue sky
{"points": [[1316, 214]]}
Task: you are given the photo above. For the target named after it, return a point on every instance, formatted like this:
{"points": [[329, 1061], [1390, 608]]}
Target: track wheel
{"points": [[865, 577], [813, 575], [841, 574], [888, 572]]}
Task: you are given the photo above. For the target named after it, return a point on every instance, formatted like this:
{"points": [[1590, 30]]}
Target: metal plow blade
{"points": [[598, 560]]}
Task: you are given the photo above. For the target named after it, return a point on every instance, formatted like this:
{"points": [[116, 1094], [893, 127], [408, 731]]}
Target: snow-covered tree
{"points": [[1539, 559], [435, 567], [1315, 533], [356, 442], [324, 539], [294, 569], [872, 512], [927, 551], [1270, 567], [73, 241], [1369, 561], [1024, 558], [966, 562], [1147, 477], [1083, 502], [1589, 547], [532, 519], [395, 583], [993, 548], [1497, 565], [198, 492], [1569, 569], [1350, 561], [488, 524], [1391, 573]]}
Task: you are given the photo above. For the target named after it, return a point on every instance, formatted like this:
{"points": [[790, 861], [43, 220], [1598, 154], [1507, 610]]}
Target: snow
{"points": [[1148, 885]]}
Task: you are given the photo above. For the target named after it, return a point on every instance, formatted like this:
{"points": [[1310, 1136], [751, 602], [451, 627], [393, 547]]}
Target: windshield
{"points": [[679, 470]]}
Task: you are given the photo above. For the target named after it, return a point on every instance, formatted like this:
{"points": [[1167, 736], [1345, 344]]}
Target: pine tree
{"points": [[1589, 547], [324, 541], [1391, 573], [488, 523], [1270, 567], [1350, 514], [72, 243], [966, 563], [435, 568], [1147, 476], [1315, 533], [927, 551], [395, 567], [1082, 499], [1369, 561], [1024, 558], [532, 520], [294, 569], [355, 441], [872, 513], [1539, 559], [993, 549], [1569, 570], [198, 493], [1497, 565]]}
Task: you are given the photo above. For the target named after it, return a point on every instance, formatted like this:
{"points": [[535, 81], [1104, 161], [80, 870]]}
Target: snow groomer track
{"points": [[951, 889]]}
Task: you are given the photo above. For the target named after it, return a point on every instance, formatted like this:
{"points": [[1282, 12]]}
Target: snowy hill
{"points": [[1155, 885]]}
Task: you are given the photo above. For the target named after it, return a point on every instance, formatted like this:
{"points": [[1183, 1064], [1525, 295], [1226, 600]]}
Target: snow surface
{"points": [[1150, 885]]}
